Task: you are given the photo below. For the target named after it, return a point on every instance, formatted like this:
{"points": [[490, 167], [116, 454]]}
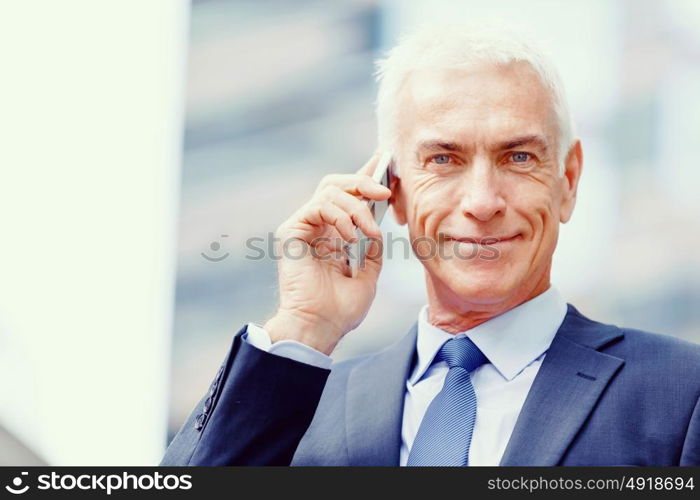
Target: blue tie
{"points": [[445, 433]]}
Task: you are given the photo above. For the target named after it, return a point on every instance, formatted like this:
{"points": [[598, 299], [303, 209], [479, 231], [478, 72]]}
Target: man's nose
{"points": [[481, 190]]}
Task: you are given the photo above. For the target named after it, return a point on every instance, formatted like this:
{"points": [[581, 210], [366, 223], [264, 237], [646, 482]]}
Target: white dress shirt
{"points": [[515, 344]]}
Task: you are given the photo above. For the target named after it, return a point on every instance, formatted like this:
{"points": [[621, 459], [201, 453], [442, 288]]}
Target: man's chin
{"points": [[479, 286]]}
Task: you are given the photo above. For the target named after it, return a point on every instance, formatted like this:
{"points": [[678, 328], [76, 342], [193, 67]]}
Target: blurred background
{"points": [[151, 140]]}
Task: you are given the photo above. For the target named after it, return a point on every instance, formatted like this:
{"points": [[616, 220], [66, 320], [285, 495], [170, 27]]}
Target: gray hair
{"points": [[459, 45]]}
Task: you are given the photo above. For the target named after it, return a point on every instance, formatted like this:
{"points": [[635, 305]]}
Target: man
{"points": [[498, 369]]}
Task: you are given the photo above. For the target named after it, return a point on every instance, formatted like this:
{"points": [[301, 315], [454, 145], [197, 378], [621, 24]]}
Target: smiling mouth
{"points": [[481, 240]]}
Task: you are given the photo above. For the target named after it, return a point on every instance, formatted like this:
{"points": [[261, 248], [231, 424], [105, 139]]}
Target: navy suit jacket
{"points": [[604, 395]]}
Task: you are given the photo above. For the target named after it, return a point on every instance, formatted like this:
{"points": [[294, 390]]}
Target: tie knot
{"points": [[462, 352]]}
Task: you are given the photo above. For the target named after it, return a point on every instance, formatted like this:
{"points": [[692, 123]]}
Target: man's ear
{"points": [[397, 200], [573, 166]]}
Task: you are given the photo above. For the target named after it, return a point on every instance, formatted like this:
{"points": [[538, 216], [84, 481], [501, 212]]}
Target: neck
{"points": [[455, 314]]}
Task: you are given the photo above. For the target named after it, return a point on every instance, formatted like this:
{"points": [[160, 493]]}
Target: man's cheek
{"points": [[428, 216], [537, 209]]}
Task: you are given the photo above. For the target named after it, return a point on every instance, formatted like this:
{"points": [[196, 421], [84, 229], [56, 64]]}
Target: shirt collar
{"points": [[510, 341]]}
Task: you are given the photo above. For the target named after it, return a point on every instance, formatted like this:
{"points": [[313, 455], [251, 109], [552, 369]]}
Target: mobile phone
{"points": [[357, 251]]}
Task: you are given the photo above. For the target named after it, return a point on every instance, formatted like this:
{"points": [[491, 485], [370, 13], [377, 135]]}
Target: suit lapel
{"points": [[570, 381], [374, 405]]}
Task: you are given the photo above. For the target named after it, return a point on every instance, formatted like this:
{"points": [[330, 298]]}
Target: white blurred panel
{"points": [[90, 123], [679, 124]]}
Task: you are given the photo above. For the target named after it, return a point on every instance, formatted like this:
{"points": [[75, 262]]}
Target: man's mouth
{"points": [[480, 240]]}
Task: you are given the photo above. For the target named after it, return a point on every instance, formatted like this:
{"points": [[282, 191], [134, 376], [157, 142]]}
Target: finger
{"points": [[355, 184], [330, 213], [331, 247], [359, 213], [371, 189], [375, 250], [372, 263]]}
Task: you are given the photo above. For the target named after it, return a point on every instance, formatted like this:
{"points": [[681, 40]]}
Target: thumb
{"points": [[373, 258]]}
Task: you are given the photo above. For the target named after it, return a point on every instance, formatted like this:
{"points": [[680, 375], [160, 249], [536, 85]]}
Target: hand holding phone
{"points": [[357, 251], [318, 300]]}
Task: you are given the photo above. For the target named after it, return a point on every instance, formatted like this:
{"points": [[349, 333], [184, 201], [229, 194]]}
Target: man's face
{"points": [[478, 159]]}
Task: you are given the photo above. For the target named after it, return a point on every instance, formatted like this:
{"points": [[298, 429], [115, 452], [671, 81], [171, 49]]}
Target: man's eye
{"points": [[520, 157], [441, 159]]}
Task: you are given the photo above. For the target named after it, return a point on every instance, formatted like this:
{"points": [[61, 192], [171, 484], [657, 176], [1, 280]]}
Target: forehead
{"points": [[483, 101]]}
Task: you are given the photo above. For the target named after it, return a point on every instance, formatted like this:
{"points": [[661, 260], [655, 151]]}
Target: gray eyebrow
{"points": [[523, 141]]}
